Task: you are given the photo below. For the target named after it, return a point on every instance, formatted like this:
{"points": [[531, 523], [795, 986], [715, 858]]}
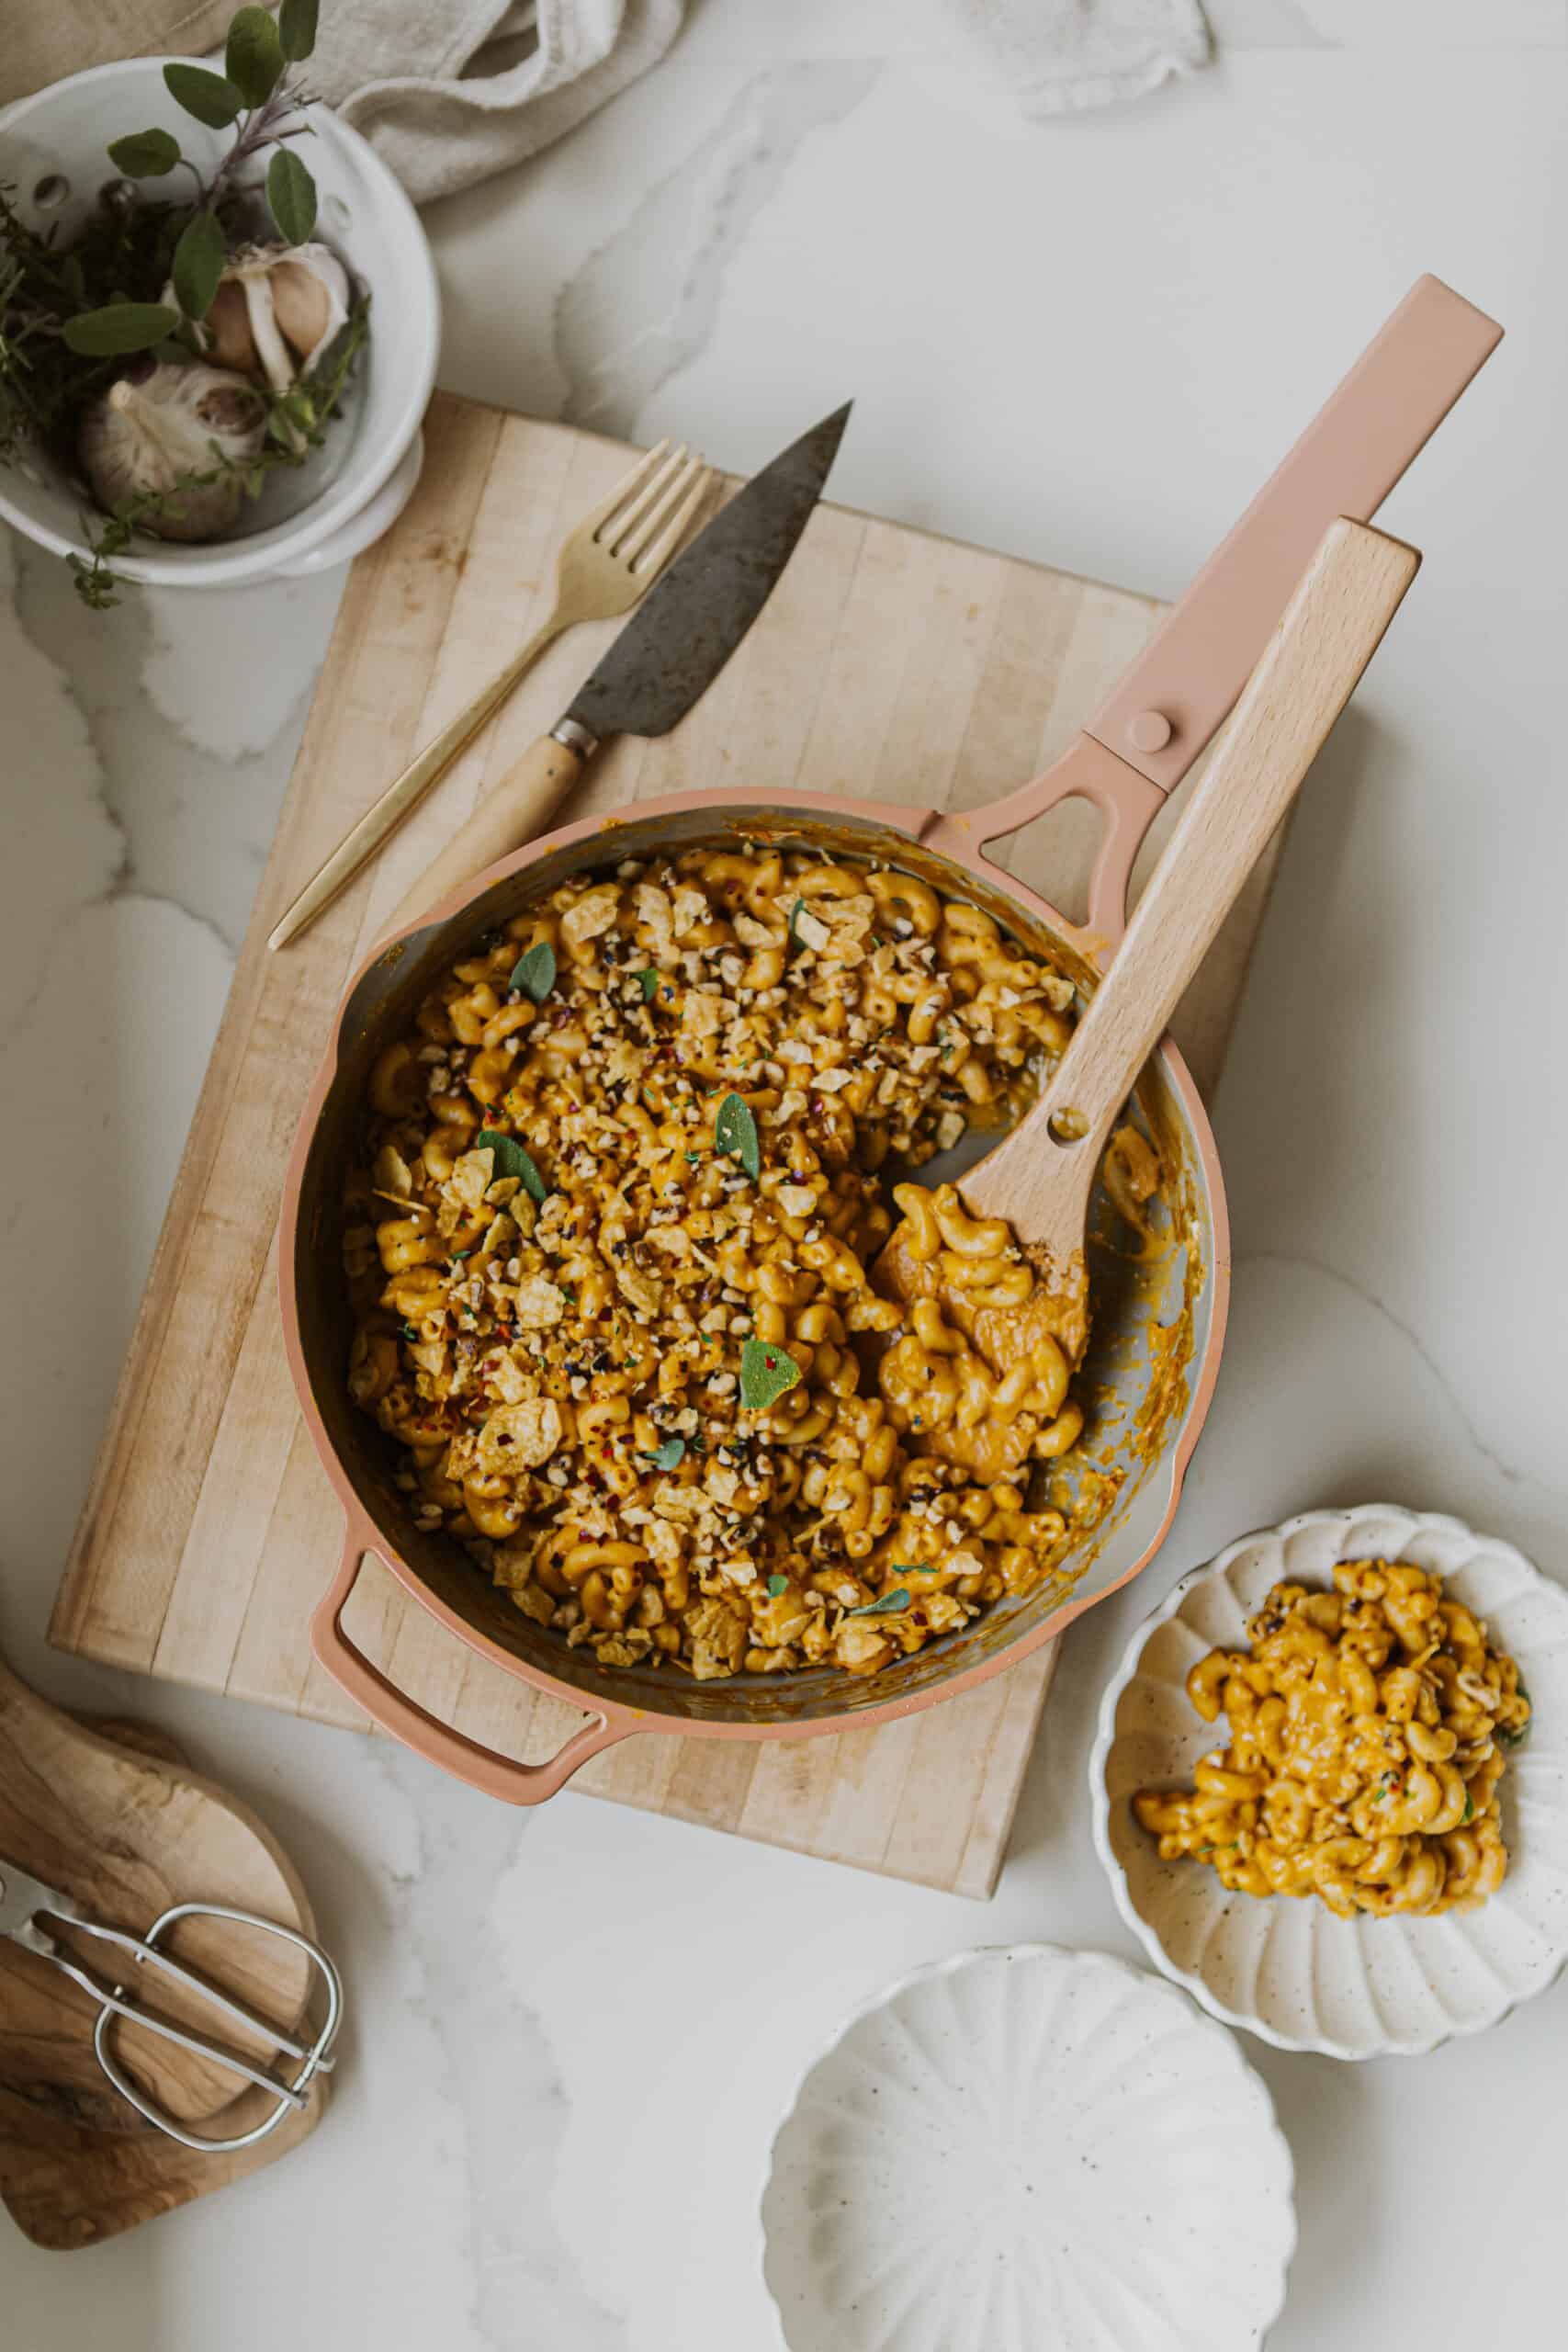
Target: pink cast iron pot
{"points": [[1158, 1319], [1159, 1322]]}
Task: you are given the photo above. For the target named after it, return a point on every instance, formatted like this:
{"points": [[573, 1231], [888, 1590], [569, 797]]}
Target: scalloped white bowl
{"points": [[1286, 1968], [1029, 2147]]}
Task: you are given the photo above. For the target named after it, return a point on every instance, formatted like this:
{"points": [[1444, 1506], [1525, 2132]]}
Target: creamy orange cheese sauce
{"points": [[610, 1244], [1369, 1730]]}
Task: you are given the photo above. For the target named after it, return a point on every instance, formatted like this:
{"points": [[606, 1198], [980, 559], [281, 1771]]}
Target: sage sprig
{"points": [[766, 1373], [884, 1605], [535, 973], [510, 1160], [735, 1135]]}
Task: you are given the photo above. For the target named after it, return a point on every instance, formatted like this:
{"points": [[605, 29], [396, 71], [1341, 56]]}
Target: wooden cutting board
{"points": [[887, 664], [123, 1826]]}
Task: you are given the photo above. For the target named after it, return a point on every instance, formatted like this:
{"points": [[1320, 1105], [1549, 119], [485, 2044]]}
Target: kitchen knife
{"points": [[661, 663]]}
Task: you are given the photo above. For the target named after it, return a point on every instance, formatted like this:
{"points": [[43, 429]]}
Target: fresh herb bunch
{"points": [[71, 316]]}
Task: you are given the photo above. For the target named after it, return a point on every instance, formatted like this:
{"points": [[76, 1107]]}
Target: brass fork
{"points": [[610, 560]]}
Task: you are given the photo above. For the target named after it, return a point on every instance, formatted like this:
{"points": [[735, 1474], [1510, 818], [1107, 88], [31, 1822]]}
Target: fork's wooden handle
{"points": [[504, 820]]}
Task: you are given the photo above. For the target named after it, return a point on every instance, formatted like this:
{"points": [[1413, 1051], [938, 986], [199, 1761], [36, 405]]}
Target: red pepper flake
{"points": [[773, 1364]]}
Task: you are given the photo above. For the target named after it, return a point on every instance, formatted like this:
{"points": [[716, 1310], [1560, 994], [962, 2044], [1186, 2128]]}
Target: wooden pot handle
{"points": [[519, 808], [440, 1743]]}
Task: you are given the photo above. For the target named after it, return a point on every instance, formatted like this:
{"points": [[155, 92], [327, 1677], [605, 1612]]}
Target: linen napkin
{"points": [[450, 91], [1064, 56], [448, 94]]}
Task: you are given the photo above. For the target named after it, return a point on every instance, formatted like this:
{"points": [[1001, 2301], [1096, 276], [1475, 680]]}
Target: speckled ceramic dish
{"points": [[1287, 1968], [1023, 2148]]}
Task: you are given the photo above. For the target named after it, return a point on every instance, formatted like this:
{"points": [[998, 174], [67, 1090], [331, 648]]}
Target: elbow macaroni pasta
{"points": [[565, 1372], [1367, 1735]]}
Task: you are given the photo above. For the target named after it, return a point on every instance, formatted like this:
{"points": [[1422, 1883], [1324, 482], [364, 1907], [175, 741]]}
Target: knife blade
{"points": [[690, 622], [663, 662]]}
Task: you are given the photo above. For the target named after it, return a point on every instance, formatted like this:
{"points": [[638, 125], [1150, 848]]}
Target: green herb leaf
{"points": [[207, 95], [884, 1605], [766, 1373], [1512, 1738], [510, 1160], [777, 1585], [914, 1568], [297, 29], [144, 155], [252, 58], [535, 973], [795, 938], [199, 264], [290, 196], [648, 982], [1468, 1813], [119, 328], [668, 1456], [735, 1135]]}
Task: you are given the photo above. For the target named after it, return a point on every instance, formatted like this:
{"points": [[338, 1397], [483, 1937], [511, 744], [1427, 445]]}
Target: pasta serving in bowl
{"points": [[1394, 1689], [1369, 1726], [610, 1247]]}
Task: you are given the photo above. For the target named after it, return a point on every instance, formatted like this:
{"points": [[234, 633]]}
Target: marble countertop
{"points": [[573, 2033]]}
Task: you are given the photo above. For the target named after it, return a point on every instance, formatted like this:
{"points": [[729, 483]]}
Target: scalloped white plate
{"points": [[1286, 1968], [1029, 2147]]}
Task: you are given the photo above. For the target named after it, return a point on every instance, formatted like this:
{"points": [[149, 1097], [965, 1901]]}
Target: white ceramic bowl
{"points": [[1029, 2147], [353, 486], [1286, 1968]]}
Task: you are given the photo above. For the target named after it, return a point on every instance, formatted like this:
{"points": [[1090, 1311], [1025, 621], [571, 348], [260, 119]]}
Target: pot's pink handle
{"points": [[1145, 738], [1127, 801], [438, 1743]]}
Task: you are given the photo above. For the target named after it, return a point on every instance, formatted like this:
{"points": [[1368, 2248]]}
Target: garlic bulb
{"points": [[163, 419], [276, 308]]}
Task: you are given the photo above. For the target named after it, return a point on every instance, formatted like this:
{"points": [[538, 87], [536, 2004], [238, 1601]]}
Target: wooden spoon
{"points": [[1040, 1178]]}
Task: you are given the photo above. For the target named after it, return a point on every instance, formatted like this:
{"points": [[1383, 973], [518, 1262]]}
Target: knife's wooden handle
{"points": [[504, 820]]}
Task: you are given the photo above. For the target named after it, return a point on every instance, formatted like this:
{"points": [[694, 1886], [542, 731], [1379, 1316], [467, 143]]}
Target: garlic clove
{"points": [[311, 303], [276, 308], [227, 339], [162, 422]]}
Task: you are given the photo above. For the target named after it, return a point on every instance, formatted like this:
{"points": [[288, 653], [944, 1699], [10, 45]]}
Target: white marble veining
{"points": [[572, 2034]]}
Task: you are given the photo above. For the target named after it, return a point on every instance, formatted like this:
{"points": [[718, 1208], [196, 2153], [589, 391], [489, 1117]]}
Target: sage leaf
{"points": [[794, 912], [668, 1456], [297, 29], [119, 327], [766, 1373], [735, 1135], [884, 1605], [777, 1585], [290, 196], [209, 97], [510, 1160], [535, 973], [144, 155], [252, 58], [199, 264], [648, 982]]}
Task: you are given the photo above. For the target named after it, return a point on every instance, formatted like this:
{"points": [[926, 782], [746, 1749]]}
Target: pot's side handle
{"points": [[393, 1711], [1127, 801]]}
